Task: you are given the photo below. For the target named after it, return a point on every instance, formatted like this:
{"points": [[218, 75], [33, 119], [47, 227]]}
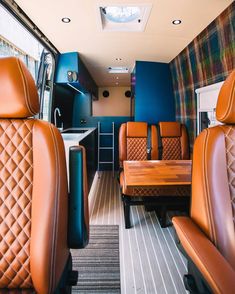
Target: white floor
{"points": [[149, 259]]}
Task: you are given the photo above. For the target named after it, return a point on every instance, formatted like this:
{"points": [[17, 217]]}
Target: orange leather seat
{"points": [[174, 141], [208, 236], [133, 145], [33, 190]]}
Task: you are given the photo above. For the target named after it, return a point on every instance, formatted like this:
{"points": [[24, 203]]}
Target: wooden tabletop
{"points": [[152, 173]]}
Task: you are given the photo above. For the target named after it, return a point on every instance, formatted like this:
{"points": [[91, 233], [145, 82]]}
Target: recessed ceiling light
{"points": [[118, 59], [66, 19], [176, 21]]}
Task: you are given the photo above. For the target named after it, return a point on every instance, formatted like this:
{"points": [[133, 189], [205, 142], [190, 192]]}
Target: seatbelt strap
{"points": [[149, 143], [159, 142]]}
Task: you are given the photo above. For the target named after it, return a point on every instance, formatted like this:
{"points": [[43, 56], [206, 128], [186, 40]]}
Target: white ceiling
{"points": [[161, 41]]}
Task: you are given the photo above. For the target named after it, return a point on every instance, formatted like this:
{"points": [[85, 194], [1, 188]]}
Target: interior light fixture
{"points": [[65, 19], [76, 89], [118, 69], [117, 78], [121, 14], [176, 21]]}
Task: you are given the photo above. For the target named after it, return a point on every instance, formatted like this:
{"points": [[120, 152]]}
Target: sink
{"points": [[74, 134]]}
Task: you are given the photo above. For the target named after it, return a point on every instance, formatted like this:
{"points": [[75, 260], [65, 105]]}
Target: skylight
{"points": [[121, 14], [127, 18]]}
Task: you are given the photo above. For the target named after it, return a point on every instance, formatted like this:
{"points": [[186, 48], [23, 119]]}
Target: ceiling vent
{"points": [[121, 18]]}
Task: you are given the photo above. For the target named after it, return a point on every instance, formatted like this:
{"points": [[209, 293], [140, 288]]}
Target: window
{"points": [[16, 40]]}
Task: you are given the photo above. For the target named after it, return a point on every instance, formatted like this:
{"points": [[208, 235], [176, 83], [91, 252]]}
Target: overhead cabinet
{"points": [[71, 72]]}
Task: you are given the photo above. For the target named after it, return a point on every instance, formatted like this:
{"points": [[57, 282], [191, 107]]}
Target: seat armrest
{"points": [[78, 230], [215, 269]]}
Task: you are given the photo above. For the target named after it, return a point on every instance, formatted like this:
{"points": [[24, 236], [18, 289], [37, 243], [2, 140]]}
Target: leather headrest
{"points": [[170, 129], [225, 108], [136, 129], [18, 93]]}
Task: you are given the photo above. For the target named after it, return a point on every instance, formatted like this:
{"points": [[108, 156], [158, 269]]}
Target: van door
{"points": [[45, 84]]}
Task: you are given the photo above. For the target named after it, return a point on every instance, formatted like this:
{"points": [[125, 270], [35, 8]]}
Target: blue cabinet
{"points": [[82, 82], [153, 91]]}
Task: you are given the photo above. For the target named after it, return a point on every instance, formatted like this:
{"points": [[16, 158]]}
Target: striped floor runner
{"points": [[98, 264], [150, 262]]}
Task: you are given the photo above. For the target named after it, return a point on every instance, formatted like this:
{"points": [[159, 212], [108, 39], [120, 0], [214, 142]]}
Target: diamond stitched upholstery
{"points": [[171, 148], [136, 148], [16, 177], [167, 191], [175, 191], [230, 155]]}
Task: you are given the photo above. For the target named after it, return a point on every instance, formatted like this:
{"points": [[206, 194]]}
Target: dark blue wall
{"points": [[154, 98], [82, 109]]}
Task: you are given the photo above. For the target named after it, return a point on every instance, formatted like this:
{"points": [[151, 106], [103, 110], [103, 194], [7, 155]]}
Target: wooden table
{"points": [[153, 174]]}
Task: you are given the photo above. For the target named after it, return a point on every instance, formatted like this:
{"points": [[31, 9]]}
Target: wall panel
{"points": [[208, 59]]}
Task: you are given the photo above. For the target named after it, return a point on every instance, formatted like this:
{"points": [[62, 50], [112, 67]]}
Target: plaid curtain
{"points": [[208, 59]]}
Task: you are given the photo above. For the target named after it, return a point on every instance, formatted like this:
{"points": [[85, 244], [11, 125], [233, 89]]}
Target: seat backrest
{"points": [[133, 142], [213, 176], [78, 229], [33, 187], [174, 141]]}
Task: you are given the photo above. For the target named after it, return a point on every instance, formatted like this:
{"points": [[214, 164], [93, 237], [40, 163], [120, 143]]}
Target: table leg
{"points": [[126, 208], [162, 219]]}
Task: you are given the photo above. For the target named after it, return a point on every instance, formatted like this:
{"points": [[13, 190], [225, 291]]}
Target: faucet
{"points": [[57, 110]]}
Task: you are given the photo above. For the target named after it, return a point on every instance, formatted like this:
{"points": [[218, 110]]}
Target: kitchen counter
{"points": [[71, 135], [85, 136]]}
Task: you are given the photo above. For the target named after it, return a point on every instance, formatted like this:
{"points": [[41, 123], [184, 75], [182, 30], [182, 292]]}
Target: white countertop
{"points": [[76, 137], [73, 139]]}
